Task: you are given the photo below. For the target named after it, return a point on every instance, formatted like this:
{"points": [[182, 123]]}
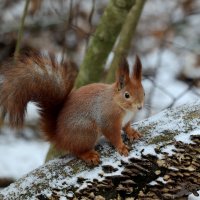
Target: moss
{"points": [[165, 137], [77, 166], [147, 129], [192, 115], [54, 153]]}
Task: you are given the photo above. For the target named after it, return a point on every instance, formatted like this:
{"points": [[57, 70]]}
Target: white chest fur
{"points": [[127, 117]]}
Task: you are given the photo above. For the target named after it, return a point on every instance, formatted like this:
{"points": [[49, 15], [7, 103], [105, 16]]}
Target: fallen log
{"points": [[163, 164]]}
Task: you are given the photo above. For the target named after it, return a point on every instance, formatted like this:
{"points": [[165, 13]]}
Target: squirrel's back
{"points": [[89, 102]]}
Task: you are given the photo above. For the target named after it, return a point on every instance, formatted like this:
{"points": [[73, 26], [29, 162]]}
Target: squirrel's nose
{"points": [[139, 107]]}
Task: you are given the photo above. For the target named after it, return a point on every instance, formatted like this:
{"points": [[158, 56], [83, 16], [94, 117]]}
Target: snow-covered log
{"points": [[163, 164]]}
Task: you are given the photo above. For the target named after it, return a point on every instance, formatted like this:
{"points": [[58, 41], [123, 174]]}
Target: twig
{"points": [[90, 19], [21, 29], [181, 47], [68, 22], [125, 37], [91, 14]]}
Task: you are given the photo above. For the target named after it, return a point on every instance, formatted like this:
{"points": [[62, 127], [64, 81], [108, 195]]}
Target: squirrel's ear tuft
{"points": [[137, 69], [123, 73]]}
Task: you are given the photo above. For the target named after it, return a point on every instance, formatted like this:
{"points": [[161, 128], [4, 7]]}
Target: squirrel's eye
{"points": [[127, 95]]}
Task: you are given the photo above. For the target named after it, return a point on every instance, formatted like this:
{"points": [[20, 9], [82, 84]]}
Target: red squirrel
{"points": [[73, 119]]}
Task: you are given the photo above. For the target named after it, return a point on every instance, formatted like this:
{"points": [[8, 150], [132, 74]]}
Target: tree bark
{"points": [[156, 162]]}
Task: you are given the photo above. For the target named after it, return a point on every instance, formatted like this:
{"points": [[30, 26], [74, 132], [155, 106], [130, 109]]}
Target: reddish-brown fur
{"points": [[73, 120]]}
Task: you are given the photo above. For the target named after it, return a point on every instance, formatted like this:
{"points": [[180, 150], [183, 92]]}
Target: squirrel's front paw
{"points": [[133, 134], [123, 150]]}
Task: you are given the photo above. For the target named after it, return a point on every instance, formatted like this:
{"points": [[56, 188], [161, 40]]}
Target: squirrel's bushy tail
{"points": [[36, 78]]}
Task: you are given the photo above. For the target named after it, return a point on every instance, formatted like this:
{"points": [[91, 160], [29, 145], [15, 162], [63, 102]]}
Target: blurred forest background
{"points": [[167, 39]]}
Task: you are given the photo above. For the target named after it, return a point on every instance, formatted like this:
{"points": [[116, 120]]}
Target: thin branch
{"points": [[181, 47], [90, 20], [21, 29], [67, 24], [125, 38], [91, 14]]}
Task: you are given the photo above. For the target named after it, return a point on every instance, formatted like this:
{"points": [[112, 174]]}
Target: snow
{"points": [[185, 137], [19, 156], [159, 179], [169, 150], [192, 197], [149, 149], [63, 198], [32, 113]]}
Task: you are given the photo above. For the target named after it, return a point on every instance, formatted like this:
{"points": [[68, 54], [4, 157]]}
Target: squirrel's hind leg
{"points": [[81, 143], [91, 157]]}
